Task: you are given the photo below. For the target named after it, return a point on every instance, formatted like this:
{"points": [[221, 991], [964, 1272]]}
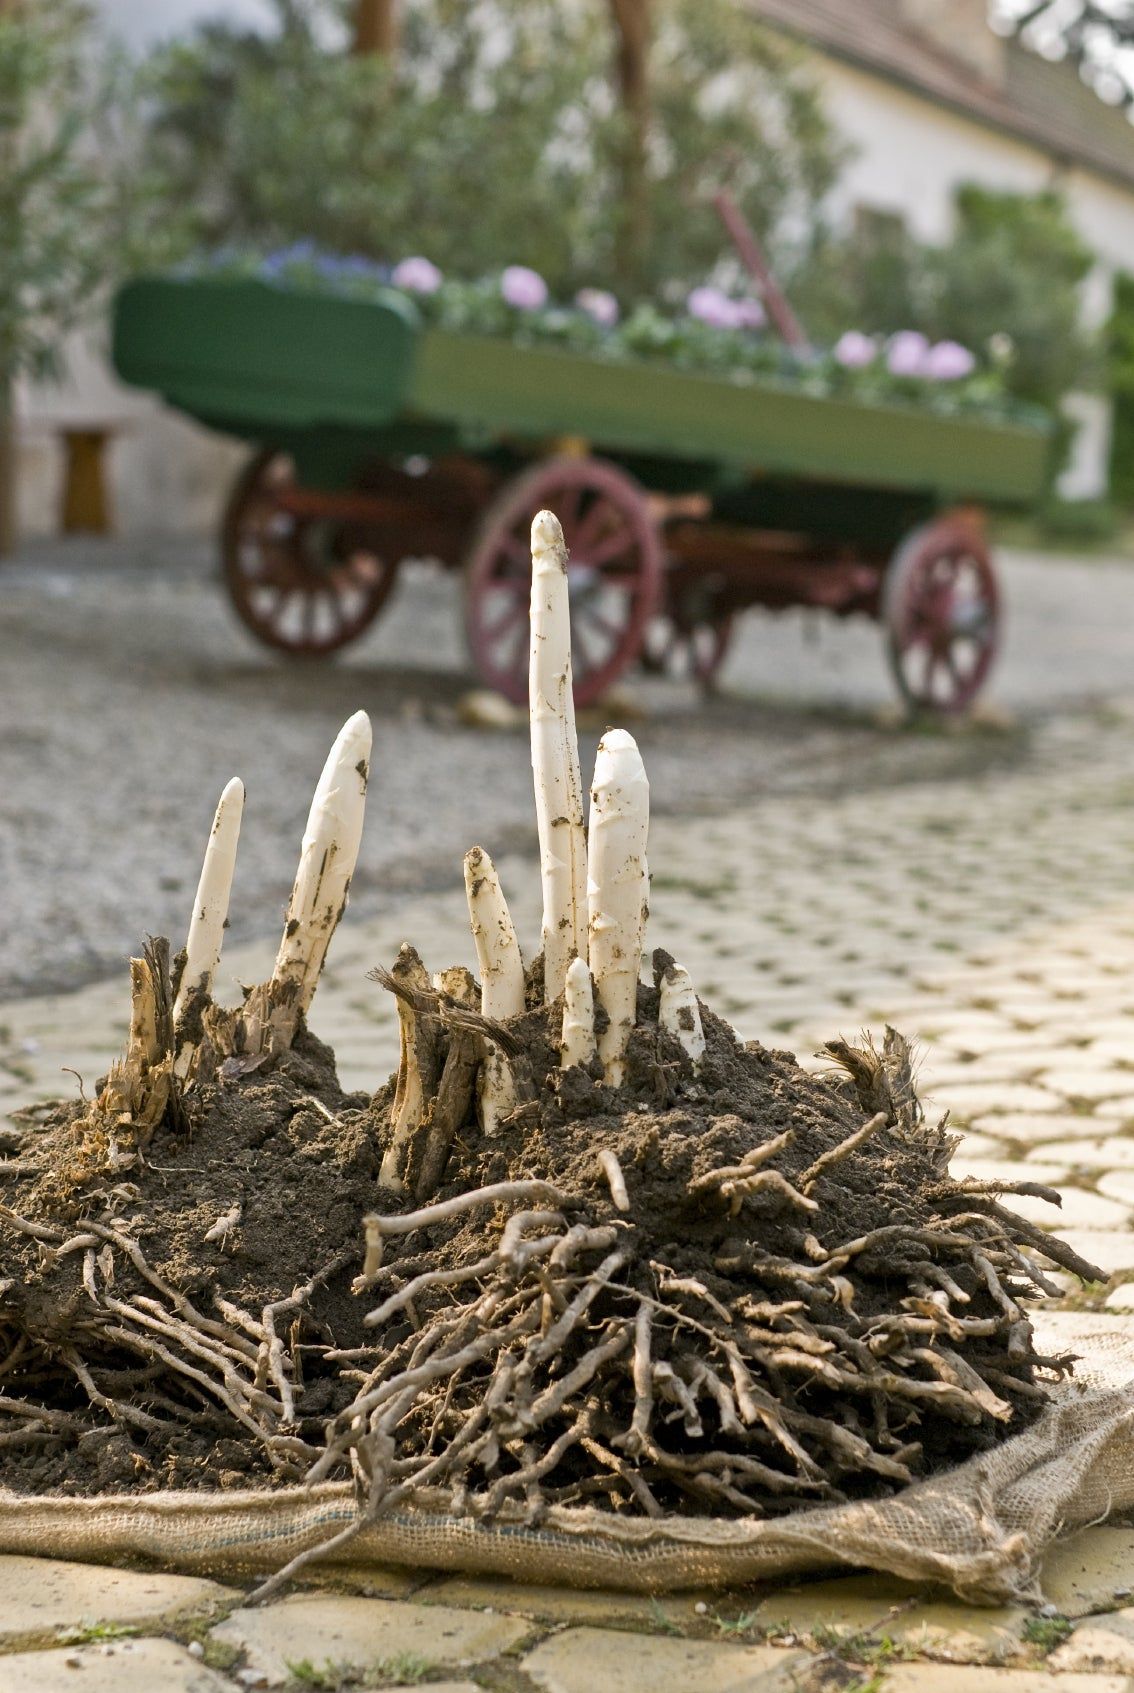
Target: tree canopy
{"points": [[495, 134], [1098, 35]]}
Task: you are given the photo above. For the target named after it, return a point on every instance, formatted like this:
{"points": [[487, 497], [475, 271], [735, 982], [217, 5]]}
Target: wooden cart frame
{"points": [[685, 497]]}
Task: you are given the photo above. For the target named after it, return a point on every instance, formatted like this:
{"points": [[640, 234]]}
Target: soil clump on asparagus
{"points": [[731, 1288]]}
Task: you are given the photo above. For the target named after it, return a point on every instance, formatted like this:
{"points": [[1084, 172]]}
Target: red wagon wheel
{"points": [[614, 574], [941, 612], [304, 585]]}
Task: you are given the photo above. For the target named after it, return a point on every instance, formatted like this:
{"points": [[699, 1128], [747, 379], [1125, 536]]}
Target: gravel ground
{"points": [[130, 696]]}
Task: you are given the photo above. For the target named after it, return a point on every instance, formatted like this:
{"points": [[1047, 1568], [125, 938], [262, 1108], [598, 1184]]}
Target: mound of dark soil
{"points": [[740, 1290]]}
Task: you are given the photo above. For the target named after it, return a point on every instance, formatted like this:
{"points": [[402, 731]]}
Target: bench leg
{"points": [[86, 506]]}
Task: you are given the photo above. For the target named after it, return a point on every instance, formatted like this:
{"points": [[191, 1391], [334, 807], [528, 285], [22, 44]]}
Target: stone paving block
{"points": [[584, 1660], [1119, 1184], [1080, 1209], [1122, 1108], [114, 1666], [39, 1596], [981, 1146], [325, 1628], [965, 1028], [1111, 1250], [1004, 1169], [1039, 1127], [938, 1072], [1092, 1080], [1115, 1049], [1113, 1153], [1099, 1643], [979, 1100], [882, 1605], [1121, 1298], [569, 1604], [951, 1678], [1089, 1571]]}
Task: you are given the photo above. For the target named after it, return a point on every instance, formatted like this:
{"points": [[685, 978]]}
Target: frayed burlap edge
{"points": [[980, 1529]]}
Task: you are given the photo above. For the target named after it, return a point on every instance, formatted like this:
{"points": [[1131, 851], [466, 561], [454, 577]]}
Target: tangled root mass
{"points": [[740, 1291]]}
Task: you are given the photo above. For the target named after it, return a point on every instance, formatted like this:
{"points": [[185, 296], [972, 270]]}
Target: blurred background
{"points": [[907, 164], [935, 207]]}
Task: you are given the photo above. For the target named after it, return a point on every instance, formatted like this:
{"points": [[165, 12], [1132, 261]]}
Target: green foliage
{"points": [[48, 192], [1047, 1632], [1082, 523], [68, 200], [404, 1669], [1120, 347], [1017, 265], [495, 137], [88, 1632], [1014, 268]]}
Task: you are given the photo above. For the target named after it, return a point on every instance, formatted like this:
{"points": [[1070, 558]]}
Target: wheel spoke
{"points": [[590, 527], [503, 623], [516, 650], [281, 609], [518, 550], [621, 541], [565, 505], [598, 620], [582, 659]]}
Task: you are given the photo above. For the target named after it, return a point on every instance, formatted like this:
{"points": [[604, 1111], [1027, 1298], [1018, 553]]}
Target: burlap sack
{"points": [[980, 1529]]}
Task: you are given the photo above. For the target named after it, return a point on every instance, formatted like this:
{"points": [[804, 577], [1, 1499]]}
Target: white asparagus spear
{"points": [[501, 981], [616, 889], [495, 1091], [326, 865], [210, 908], [578, 1046], [679, 1013], [497, 950], [555, 759]]}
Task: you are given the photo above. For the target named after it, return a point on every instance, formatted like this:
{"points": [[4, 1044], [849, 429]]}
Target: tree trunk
{"points": [[632, 25], [375, 26], [8, 439], [8, 450]]}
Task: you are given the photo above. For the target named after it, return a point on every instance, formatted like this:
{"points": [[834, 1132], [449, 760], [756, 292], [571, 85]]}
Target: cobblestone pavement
{"points": [[131, 695], [992, 918]]}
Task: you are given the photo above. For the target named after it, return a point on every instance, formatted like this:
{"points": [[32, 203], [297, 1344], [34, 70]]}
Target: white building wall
{"points": [[910, 156]]}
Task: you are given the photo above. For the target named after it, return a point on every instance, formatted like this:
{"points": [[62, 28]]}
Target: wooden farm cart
{"points": [[684, 497]]}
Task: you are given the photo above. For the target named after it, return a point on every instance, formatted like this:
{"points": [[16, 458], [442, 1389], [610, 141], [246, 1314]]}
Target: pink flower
{"points": [[523, 288], [416, 276], [854, 350], [906, 354], [598, 304], [948, 361], [712, 306]]}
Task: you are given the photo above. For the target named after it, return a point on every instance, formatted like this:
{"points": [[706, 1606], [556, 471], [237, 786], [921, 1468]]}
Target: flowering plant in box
{"points": [[712, 330]]}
